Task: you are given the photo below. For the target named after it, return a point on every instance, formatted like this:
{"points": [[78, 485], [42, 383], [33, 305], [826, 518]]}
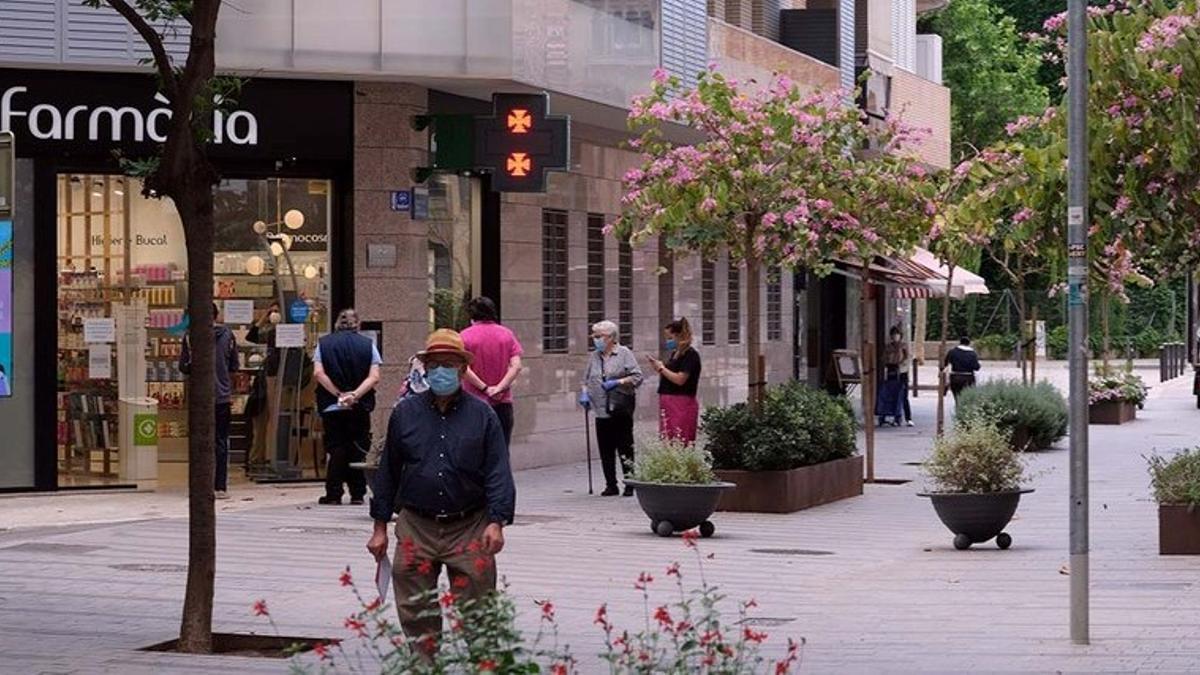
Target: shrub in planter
{"points": [[1031, 417], [975, 481], [1176, 485], [1122, 386], [676, 486], [797, 426], [996, 346]]}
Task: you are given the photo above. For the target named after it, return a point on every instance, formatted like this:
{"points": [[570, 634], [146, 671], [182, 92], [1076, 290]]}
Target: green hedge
{"points": [[797, 426], [1038, 410]]}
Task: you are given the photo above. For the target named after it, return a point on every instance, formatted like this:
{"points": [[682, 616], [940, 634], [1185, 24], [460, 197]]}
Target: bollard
{"points": [[1162, 363]]}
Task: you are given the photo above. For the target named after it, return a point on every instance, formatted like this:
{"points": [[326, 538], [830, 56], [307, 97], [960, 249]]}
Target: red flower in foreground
{"points": [[547, 609], [482, 564], [425, 567], [663, 616], [260, 608], [345, 579], [602, 618], [643, 581], [322, 650], [448, 599], [673, 570], [558, 669], [487, 666], [460, 583], [690, 537], [751, 635], [354, 624]]}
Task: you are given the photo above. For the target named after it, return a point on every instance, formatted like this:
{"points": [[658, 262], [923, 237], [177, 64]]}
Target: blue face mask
{"points": [[672, 345], [598, 343], [443, 380]]}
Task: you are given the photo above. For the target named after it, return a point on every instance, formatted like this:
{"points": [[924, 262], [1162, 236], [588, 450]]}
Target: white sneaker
{"points": [[221, 494], [910, 423]]}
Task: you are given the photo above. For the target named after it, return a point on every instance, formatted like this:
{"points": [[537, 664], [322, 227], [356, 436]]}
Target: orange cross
{"points": [[519, 164], [519, 121]]}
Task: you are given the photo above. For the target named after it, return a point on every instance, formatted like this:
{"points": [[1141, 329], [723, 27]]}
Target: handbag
{"points": [[619, 402]]}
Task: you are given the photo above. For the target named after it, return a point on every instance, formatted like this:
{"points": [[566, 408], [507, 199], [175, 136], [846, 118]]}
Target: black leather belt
{"points": [[444, 518]]}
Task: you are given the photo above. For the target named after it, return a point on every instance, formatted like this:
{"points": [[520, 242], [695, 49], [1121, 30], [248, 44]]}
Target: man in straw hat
{"points": [[445, 470]]}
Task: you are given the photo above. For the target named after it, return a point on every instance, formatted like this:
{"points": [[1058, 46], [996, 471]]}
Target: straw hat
{"points": [[445, 341]]}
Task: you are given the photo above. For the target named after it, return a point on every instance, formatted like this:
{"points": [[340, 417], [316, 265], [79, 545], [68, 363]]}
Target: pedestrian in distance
{"points": [[497, 360], [225, 363], [610, 382], [896, 360], [679, 380], [963, 363], [346, 365], [445, 470], [263, 333]]}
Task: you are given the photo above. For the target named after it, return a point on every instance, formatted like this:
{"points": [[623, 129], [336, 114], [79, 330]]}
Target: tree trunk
{"points": [[1033, 355], [196, 211], [941, 362], [1106, 344], [757, 378], [867, 359], [1021, 331]]}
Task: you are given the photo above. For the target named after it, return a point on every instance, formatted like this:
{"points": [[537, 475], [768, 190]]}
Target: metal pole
{"points": [[1077, 270]]}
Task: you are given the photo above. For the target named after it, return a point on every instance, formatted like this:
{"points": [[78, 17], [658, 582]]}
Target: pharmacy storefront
{"points": [[95, 395]]}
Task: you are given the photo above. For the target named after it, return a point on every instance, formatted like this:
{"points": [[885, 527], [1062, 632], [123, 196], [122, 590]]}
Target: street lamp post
{"points": [[1077, 305]]}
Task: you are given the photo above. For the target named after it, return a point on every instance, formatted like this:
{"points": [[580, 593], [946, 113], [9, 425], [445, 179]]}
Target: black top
{"points": [[962, 360], [444, 463], [687, 362], [346, 357]]}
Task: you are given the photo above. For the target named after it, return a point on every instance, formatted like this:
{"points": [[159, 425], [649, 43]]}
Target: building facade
{"points": [[334, 140]]}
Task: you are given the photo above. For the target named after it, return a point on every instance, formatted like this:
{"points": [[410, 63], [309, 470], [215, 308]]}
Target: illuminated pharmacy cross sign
{"points": [[519, 142]]}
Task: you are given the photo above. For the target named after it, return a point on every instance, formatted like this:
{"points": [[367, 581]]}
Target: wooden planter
{"points": [[1112, 412], [789, 491], [1178, 530]]}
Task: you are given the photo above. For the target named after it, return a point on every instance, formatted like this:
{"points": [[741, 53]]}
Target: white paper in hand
{"points": [[383, 577]]}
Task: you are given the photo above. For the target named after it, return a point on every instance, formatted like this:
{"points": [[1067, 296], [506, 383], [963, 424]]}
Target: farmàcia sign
{"points": [[90, 114]]}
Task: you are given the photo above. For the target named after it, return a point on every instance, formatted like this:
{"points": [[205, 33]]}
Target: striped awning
{"points": [[915, 277]]}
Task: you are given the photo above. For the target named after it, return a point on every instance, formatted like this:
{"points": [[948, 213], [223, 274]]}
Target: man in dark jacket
{"points": [[225, 363], [346, 365], [446, 470], [963, 363]]}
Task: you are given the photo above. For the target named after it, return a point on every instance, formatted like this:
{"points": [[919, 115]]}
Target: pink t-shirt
{"points": [[493, 346]]}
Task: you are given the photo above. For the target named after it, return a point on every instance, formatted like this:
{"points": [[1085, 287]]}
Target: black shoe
{"points": [[330, 501], [610, 491], [356, 501], [628, 490]]}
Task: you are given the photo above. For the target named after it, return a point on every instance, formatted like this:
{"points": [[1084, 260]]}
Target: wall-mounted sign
{"points": [[401, 200], [98, 331], [298, 311], [99, 362], [381, 255], [521, 141], [420, 203], [289, 335], [239, 312]]}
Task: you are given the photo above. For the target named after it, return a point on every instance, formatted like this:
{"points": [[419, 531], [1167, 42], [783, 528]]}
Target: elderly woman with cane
{"points": [[610, 382]]}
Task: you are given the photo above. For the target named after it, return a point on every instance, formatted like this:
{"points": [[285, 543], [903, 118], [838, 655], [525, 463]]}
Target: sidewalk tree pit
{"points": [[796, 452], [1176, 485], [976, 482], [676, 486]]}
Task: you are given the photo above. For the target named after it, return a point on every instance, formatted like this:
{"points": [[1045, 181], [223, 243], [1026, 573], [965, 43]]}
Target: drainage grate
{"points": [[51, 548], [769, 621], [789, 551], [889, 481], [522, 519], [912, 464], [293, 529], [150, 567]]}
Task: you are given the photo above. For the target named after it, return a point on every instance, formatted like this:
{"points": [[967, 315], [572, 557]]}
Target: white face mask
{"points": [[273, 317]]}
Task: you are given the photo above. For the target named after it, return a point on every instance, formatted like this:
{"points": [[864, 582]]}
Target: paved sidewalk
{"points": [[887, 591]]}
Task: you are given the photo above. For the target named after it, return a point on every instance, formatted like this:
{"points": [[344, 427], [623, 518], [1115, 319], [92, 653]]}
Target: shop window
{"points": [[774, 304], [452, 249], [122, 290], [708, 302], [554, 281], [625, 291], [595, 268], [735, 303]]}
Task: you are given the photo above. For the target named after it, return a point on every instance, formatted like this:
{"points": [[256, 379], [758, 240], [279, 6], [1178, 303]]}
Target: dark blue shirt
{"points": [[444, 463]]}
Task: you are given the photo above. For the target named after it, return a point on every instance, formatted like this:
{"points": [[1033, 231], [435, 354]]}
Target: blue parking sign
{"points": [[401, 200]]}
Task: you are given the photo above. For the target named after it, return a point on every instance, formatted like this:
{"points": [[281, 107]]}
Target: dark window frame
{"points": [[596, 260], [625, 291], [774, 304], [708, 302], [555, 336], [734, 300]]}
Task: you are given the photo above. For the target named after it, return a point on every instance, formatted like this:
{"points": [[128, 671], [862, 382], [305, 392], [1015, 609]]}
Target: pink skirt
{"points": [[677, 417]]}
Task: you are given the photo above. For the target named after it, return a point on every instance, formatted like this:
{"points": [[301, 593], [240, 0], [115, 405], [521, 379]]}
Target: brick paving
{"points": [[889, 593]]}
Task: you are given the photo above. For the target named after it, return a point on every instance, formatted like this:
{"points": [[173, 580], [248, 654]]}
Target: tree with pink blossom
{"points": [[777, 178]]}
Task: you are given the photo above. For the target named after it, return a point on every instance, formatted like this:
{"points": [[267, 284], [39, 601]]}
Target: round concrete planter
{"points": [[976, 518], [677, 508]]}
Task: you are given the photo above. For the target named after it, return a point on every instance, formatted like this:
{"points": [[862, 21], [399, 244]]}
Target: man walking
{"points": [[224, 363], [963, 363], [346, 366], [445, 469], [496, 354]]}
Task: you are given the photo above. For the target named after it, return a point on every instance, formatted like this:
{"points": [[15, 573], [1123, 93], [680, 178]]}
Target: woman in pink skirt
{"points": [[679, 378]]}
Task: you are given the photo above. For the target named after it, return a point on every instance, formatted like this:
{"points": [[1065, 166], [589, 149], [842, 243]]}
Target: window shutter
{"points": [[684, 38], [29, 30]]}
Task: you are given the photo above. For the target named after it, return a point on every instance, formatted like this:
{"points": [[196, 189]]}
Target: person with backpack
{"points": [[225, 364], [346, 365], [610, 383]]}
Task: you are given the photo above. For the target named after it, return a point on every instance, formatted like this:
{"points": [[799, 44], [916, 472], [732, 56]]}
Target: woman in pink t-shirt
{"points": [[497, 360]]}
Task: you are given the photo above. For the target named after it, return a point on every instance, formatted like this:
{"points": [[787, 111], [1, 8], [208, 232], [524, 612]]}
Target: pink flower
{"points": [[1123, 204], [690, 537], [1023, 215], [260, 608], [709, 204], [660, 76], [345, 578], [643, 580]]}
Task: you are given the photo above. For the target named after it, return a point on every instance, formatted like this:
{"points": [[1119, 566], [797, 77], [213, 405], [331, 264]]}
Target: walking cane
{"points": [[587, 432]]}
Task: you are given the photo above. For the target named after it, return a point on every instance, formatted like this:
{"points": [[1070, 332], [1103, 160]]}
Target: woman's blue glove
{"points": [[585, 400], [609, 385]]}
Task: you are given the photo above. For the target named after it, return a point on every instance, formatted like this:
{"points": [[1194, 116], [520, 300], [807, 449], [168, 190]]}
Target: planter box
{"points": [[1112, 412], [1178, 530], [789, 491]]}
